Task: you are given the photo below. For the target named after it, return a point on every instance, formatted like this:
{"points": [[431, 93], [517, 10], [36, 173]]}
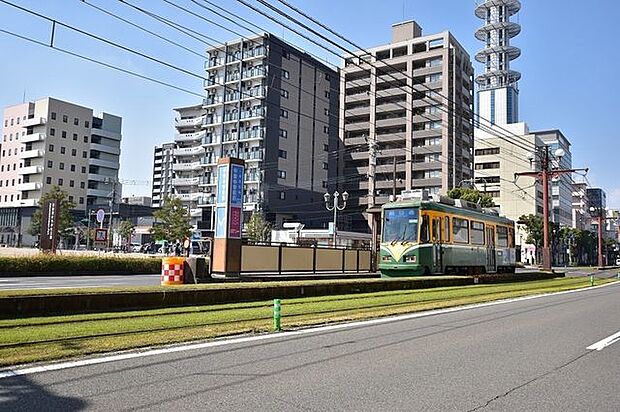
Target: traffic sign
{"points": [[100, 215]]}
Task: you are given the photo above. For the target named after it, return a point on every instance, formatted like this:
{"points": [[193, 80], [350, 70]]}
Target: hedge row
{"points": [[77, 265]]}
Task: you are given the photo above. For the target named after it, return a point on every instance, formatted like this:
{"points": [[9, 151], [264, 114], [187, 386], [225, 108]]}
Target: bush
{"points": [[77, 265]]}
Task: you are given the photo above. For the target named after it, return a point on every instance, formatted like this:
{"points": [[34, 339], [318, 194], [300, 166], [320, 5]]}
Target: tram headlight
{"points": [[385, 258], [411, 259]]}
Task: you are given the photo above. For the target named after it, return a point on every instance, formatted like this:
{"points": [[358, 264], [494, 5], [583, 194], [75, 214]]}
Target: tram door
{"points": [[437, 246], [491, 263]]}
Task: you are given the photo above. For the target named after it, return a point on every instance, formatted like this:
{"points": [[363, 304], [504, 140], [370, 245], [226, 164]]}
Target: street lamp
{"points": [[335, 207]]}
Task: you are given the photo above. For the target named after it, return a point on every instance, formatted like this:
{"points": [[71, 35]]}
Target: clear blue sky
{"points": [[569, 64]]}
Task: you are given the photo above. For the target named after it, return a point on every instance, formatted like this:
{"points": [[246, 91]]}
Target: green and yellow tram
{"points": [[444, 236]]}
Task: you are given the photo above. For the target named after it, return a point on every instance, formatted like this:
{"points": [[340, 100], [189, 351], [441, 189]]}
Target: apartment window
{"points": [[484, 152], [324, 184], [75, 137], [435, 77], [327, 77], [53, 115], [282, 154], [52, 132], [48, 180], [326, 111], [326, 129], [73, 168], [81, 200], [327, 94], [73, 152], [433, 62], [60, 181], [11, 122], [434, 125], [71, 183], [63, 149], [432, 44], [76, 121], [281, 174], [83, 169], [286, 74], [432, 109], [325, 166], [50, 148], [86, 124], [65, 118], [64, 134], [326, 148], [85, 139], [84, 155], [282, 195], [433, 141], [434, 157], [284, 113], [286, 54], [460, 230], [284, 93], [61, 166], [50, 164], [487, 165], [82, 185]]}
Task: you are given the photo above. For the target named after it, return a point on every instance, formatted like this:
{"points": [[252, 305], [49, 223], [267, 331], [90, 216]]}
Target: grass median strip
{"points": [[48, 338]]}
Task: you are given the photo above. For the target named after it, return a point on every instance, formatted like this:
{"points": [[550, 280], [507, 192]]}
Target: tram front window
{"points": [[400, 225]]}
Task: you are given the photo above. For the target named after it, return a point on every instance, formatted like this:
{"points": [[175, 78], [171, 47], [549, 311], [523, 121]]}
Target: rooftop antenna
{"points": [[24, 97]]}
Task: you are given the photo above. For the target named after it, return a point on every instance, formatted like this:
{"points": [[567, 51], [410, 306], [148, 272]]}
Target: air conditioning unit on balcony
{"points": [[209, 149]]}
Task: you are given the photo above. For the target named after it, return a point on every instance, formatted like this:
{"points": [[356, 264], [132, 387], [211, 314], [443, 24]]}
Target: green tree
{"points": [[173, 221], [126, 229], [65, 221], [472, 195], [257, 228], [534, 228]]}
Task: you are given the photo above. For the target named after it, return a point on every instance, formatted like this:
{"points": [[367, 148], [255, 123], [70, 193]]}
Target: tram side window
{"points": [[511, 237], [447, 229], [424, 230], [477, 233], [460, 230], [502, 236]]}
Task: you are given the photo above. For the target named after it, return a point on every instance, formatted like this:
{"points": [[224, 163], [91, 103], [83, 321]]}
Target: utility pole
{"points": [[546, 172], [601, 219]]}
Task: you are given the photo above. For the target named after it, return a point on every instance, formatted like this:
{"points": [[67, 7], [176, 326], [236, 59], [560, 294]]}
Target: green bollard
{"points": [[591, 280], [276, 314]]}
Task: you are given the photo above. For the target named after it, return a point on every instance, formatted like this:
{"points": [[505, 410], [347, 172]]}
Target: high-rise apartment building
{"points": [[162, 173], [49, 142], [581, 206], [405, 119], [273, 106]]}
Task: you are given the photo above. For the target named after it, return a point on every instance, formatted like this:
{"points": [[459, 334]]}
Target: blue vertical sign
{"points": [[235, 212], [221, 201]]}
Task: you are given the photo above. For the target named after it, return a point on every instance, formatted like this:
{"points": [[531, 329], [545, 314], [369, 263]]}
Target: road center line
{"points": [[601, 344]]}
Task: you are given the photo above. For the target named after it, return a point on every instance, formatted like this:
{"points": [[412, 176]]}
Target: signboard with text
{"points": [[50, 214], [229, 207]]}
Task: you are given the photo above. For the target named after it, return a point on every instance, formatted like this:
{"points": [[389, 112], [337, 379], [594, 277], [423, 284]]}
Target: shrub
{"points": [[77, 265]]}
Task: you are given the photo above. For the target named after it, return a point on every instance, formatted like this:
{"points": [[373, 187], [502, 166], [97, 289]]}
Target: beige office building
{"points": [[406, 120], [49, 142]]}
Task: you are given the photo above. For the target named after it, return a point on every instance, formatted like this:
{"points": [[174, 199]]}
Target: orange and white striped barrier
{"points": [[172, 271]]}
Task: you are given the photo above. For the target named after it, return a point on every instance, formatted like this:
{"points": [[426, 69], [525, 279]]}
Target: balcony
{"points": [[189, 197], [206, 200], [231, 117], [185, 181], [255, 155], [213, 82], [106, 148], [99, 178], [104, 163], [189, 151], [233, 57], [207, 181], [214, 62], [99, 193], [30, 170], [232, 77], [192, 122], [29, 186], [229, 137], [212, 139], [254, 72], [231, 97], [34, 137], [251, 198], [254, 92], [187, 166], [189, 137], [254, 113], [31, 154], [252, 134], [210, 119], [254, 53], [255, 177], [209, 160], [34, 121], [212, 100]]}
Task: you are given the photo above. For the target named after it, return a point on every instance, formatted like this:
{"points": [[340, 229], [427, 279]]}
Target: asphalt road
{"points": [[525, 355], [56, 282]]}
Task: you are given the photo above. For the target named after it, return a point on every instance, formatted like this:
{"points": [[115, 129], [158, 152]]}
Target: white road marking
{"points": [[224, 342], [605, 342]]}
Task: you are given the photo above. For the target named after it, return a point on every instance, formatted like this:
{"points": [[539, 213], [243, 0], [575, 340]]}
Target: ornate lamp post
{"points": [[335, 207]]}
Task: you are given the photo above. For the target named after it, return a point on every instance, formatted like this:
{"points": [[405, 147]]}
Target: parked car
{"points": [[135, 247]]}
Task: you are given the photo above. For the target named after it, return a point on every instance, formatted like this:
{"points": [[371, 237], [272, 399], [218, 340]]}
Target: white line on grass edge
{"points": [[187, 347]]}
